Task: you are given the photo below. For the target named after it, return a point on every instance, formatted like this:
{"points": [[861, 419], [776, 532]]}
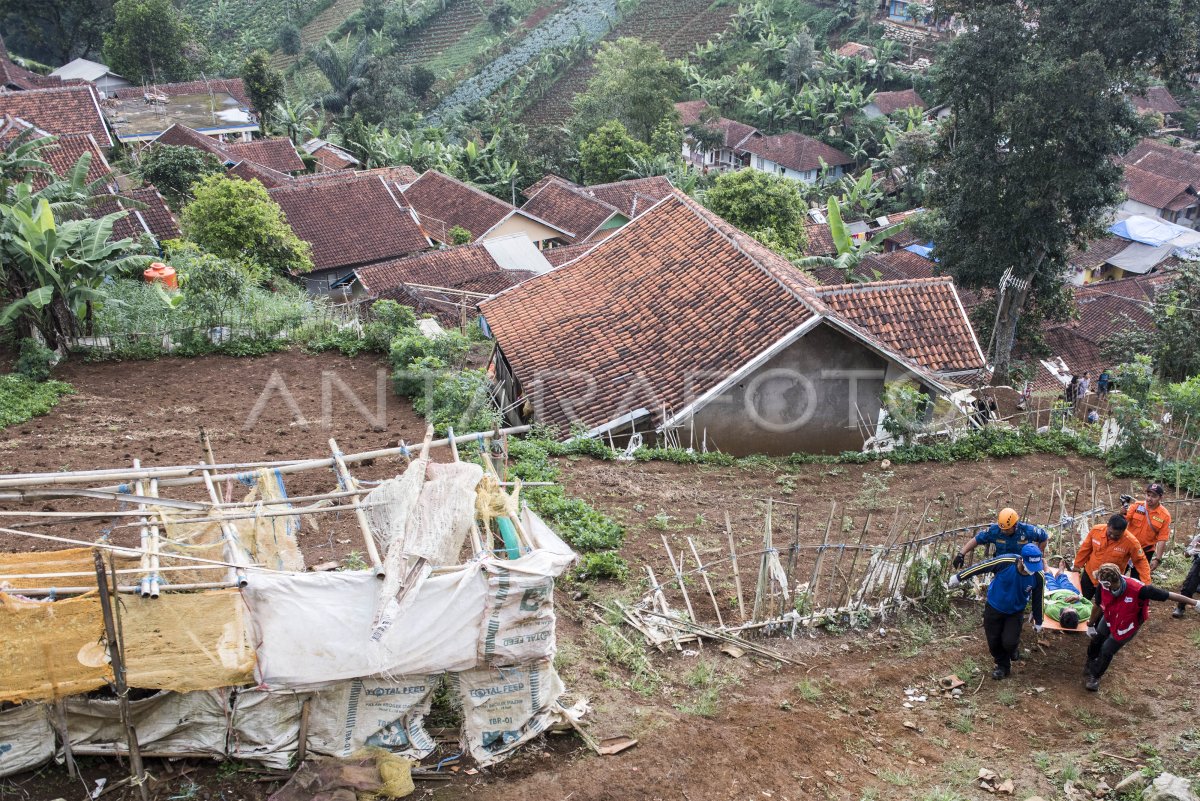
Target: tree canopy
{"points": [[767, 206], [173, 169], [236, 219], [1026, 168], [634, 83], [607, 153], [55, 31], [263, 83], [150, 40]]}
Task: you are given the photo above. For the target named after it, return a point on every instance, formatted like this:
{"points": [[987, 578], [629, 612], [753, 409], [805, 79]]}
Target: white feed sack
{"points": [[166, 722], [519, 625], [26, 738], [373, 713], [265, 727], [506, 707]]}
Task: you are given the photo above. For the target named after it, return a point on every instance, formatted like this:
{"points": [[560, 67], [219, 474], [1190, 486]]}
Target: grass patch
{"points": [[898, 778], [964, 723], [22, 399], [709, 684], [808, 690], [1007, 697]]}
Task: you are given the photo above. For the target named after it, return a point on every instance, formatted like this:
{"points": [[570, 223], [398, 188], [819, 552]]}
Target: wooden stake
{"points": [[302, 737], [117, 659], [678, 571], [364, 525], [232, 540], [737, 577], [815, 582], [60, 715], [707, 584]]}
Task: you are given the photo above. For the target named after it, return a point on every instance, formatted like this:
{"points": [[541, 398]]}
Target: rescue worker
{"points": [[1123, 606], [1150, 522], [1008, 535], [1017, 581], [1108, 543], [1192, 582]]}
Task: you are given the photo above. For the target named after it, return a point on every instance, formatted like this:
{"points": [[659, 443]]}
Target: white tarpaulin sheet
{"points": [[1139, 258], [26, 738], [505, 707], [166, 722], [371, 713], [314, 629]]}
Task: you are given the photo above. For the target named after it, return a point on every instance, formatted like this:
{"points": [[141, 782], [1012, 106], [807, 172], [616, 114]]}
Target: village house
{"points": [[217, 107], [680, 321], [570, 209], [95, 73], [450, 282], [328, 156], [349, 223], [61, 110], [884, 104], [1156, 100], [1161, 181], [15, 78], [798, 157], [442, 204], [730, 155]]}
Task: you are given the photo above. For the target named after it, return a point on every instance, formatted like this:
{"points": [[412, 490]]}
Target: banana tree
{"points": [[850, 252], [54, 271]]}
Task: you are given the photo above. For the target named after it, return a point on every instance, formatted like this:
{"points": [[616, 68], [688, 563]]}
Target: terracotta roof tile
{"points": [[549, 177], [735, 132], [898, 265], [1097, 252], [66, 151], [797, 151], [570, 209], [179, 135], [249, 171], [1156, 99], [65, 110], [560, 255], [350, 223], [442, 202], [855, 50], [332, 159], [819, 241], [15, 76], [1164, 160], [632, 197], [921, 319], [614, 350], [1156, 191], [156, 214], [277, 153], [891, 102]]}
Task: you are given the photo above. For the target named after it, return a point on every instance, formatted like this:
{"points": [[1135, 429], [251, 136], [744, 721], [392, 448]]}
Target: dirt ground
{"points": [[709, 726]]}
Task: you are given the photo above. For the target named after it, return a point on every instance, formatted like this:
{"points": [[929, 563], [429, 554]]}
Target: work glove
{"points": [[1091, 631], [957, 563], [1198, 606], [1037, 628], [954, 581], [1126, 500]]}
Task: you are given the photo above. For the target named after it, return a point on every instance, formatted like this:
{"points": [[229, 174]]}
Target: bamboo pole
{"points": [[364, 525], [760, 588], [678, 571], [193, 474], [707, 584], [155, 547], [854, 561], [60, 723], [126, 552], [737, 577], [145, 536], [815, 581], [117, 659]]}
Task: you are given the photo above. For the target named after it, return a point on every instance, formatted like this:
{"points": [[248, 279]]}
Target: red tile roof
{"points": [[332, 159], [249, 171], [442, 202], [735, 132], [570, 209], [17, 77], [1156, 99], [632, 197], [796, 151], [1097, 252], [1156, 191], [890, 102], [277, 154], [596, 331], [350, 223], [1164, 160], [156, 214], [532, 189], [179, 135], [819, 241], [64, 110], [560, 255], [921, 319], [64, 153], [898, 265]]}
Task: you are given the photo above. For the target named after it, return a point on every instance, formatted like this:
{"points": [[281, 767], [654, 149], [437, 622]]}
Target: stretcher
{"points": [[1050, 624]]}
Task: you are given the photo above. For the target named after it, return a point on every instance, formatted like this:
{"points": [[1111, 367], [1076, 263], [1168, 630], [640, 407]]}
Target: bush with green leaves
{"points": [[418, 377], [35, 360], [602, 565], [22, 398], [459, 400], [173, 170]]}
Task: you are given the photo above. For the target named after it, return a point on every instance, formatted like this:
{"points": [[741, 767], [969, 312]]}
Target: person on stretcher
{"points": [[1062, 601]]}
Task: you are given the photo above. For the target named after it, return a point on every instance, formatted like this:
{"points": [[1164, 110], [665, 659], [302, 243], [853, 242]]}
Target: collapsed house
{"points": [[680, 325], [230, 649]]}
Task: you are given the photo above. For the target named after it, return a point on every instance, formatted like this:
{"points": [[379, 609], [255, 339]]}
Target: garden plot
{"points": [[677, 25]]}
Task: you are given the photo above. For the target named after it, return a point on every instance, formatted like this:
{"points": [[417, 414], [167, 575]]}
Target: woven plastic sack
{"points": [[265, 727], [373, 713], [506, 707], [26, 738], [395, 775], [50, 649], [166, 722], [271, 541], [187, 641]]}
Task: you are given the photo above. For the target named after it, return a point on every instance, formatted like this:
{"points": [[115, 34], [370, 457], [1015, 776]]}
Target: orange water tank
{"points": [[161, 272]]}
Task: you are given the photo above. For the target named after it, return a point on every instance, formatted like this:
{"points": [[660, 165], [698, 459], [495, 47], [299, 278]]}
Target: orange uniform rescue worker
{"points": [[1150, 522], [1109, 543]]}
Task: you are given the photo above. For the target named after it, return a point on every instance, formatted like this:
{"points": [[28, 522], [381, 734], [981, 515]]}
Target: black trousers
{"points": [[1086, 586], [1103, 648], [1192, 582], [1003, 632], [1149, 552]]}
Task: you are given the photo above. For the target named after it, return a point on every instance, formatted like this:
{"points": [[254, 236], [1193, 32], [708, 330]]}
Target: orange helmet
{"points": [[1007, 518]]}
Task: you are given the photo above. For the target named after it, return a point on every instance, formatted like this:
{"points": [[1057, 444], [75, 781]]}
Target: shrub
{"points": [[418, 376], [460, 400], [22, 398], [289, 39], [35, 360], [602, 565]]}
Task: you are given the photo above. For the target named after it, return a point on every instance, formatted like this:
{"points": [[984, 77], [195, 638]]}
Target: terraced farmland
{"points": [[677, 25], [317, 29], [435, 44]]}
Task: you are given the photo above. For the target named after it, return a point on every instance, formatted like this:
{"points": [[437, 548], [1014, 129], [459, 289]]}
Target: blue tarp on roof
{"points": [[924, 251]]}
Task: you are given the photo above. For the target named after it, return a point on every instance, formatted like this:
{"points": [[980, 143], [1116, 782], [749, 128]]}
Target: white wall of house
{"points": [[721, 158], [808, 176], [1189, 217]]}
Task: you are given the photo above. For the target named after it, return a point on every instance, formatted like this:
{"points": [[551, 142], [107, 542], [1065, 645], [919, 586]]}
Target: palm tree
{"points": [[292, 117], [345, 70]]}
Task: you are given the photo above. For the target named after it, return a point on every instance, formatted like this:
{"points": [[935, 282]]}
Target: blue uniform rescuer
{"points": [[1018, 580]]}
